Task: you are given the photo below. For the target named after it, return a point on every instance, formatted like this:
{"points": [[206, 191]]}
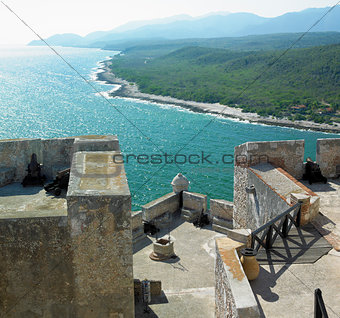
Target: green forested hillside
{"points": [[308, 77], [154, 48]]}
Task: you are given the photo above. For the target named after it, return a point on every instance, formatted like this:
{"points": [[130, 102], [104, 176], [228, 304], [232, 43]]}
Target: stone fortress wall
{"points": [[55, 154], [91, 276], [328, 156], [288, 155], [78, 264], [274, 190]]}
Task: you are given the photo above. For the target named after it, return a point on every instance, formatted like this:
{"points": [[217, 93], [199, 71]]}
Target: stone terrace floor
{"points": [[17, 201], [188, 282], [286, 291]]}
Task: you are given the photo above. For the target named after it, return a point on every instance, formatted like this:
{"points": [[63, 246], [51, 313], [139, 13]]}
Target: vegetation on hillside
{"points": [[155, 48], [302, 85]]}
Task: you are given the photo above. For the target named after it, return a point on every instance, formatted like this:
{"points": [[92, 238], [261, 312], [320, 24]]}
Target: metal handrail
{"points": [[268, 238], [319, 306]]}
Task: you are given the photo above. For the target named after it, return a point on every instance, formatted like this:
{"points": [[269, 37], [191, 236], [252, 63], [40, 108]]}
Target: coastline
{"points": [[126, 90]]}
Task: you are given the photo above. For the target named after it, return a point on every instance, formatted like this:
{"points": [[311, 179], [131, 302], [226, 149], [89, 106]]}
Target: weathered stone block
{"points": [[314, 207], [222, 222], [35, 261], [328, 156], [194, 201], [167, 203], [56, 155], [137, 219], [305, 204], [17, 153], [222, 209], [96, 143], [99, 208], [190, 215], [7, 176]]}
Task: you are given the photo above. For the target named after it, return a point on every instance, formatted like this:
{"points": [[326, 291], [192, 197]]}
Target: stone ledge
{"points": [[228, 266], [222, 222], [167, 203], [136, 219], [222, 209], [194, 201], [97, 143], [238, 235]]}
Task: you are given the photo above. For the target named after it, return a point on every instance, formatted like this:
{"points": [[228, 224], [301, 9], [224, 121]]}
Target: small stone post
{"points": [[305, 205]]}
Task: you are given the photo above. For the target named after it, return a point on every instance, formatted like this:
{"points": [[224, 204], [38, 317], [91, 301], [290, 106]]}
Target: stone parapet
{"points": [[233, 295], [328, 156], [7, 176], [54, 154], [194, 201], [136, 219], [222, 222], [36, 270], [96, 143], [137, 226], [222, 209], [168, 203]]}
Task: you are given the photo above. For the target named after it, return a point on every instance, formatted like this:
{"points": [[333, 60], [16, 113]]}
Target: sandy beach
{"points": [[126, 90]]}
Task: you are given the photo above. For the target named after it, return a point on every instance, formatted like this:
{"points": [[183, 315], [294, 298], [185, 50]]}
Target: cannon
{"points": [[313, 172], [59, 183], [34, 177], [202, 220]]}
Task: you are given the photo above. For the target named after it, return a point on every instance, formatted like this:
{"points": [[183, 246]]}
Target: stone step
{"points": [[239, 235], [189, 215], [187, 218], [223, 222]]}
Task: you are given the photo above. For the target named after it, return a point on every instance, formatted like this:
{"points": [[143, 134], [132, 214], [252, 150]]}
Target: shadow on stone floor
{"points": [[303, 245], [322, 187], [141, 310], [16, 189]]}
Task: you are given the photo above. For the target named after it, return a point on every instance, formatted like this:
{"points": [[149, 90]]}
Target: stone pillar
{"points": [[99, 217], [305, 201]]}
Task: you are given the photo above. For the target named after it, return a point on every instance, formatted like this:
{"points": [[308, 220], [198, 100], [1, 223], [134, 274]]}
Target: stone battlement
{"points": [[72, 258]]}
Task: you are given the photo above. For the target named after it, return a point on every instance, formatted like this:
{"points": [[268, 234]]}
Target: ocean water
{"points": [[41, 97]]}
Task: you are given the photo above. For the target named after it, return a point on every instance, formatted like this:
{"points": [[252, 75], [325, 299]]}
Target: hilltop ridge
{"points": [[208, 26]]}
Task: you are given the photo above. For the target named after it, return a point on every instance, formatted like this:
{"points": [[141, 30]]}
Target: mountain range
{"points": [[209, 26]]}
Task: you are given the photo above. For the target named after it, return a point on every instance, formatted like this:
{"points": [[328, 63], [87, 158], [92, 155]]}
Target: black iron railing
{"points": [[280, 224], [319, 306]]}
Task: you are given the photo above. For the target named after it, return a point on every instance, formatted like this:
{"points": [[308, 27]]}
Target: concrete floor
{"points": [[329, 204], [188, 281], [286, 291], [19, 202]]}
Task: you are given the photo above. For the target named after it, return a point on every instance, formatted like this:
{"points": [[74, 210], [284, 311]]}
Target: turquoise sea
{"points": [[41, 97]]}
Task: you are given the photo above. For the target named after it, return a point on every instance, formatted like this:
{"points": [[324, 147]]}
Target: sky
{"points": [[50, 17]]}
